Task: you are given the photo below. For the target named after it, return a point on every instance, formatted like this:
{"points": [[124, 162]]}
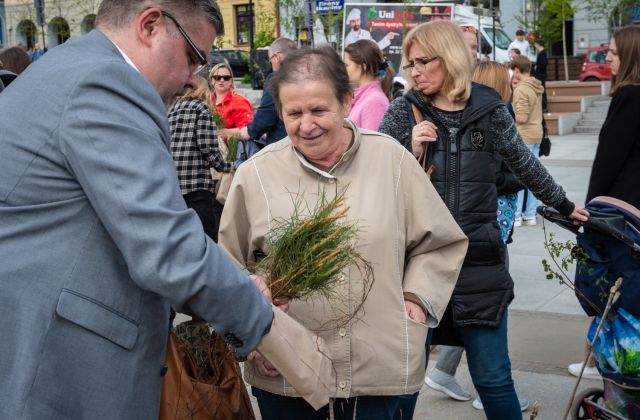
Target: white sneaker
{"points": [[524, 404], [517, 223], [447, 384], [530, 222], [590, 372]]}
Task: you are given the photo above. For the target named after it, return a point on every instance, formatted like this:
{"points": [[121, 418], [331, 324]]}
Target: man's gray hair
{"points": [[282, 45], [118, 13]]}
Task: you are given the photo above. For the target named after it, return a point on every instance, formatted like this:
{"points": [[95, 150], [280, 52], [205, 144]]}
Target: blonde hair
{"points": [[445, 40], [494, 75], [223, 66], [201, 93]]}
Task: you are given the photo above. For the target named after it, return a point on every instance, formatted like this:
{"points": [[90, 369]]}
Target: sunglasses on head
{"points": [[218, 78], [469, 29]]}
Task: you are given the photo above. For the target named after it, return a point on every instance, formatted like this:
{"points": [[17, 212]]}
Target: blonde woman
{"points": [[194, 147], [235, 109], [465, 124]]}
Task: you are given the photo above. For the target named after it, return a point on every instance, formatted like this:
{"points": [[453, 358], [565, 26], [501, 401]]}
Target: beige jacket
{"points": [[407, 234], [527, 101]]}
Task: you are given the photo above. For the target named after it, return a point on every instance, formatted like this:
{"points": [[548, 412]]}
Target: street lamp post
{"points": [[252, 46]]}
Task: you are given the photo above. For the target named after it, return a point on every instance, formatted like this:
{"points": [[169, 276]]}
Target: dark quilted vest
{"points": [[464, 175]]}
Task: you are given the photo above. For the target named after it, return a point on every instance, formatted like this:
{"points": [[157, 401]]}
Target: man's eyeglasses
{"points": [[201, 57], [419, 63], [218, 78]]}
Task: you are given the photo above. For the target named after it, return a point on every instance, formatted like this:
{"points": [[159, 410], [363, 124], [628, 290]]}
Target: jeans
{"points": [[532, 201], [277, 407], [490, 368], [449, 359]]}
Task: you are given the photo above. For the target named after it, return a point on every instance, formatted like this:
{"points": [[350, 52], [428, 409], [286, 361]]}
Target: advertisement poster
{"points": [[387, 24]]}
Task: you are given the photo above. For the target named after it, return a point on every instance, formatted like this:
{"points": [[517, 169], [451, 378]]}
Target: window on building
{"points": [[243, 23]]}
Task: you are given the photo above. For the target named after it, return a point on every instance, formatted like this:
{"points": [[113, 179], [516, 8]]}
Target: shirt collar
{"points": [[346, 156], [125, 56]]}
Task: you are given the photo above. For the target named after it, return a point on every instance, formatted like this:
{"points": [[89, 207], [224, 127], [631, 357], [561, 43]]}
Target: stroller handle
{"points": [[594, 223], [554, 216]]}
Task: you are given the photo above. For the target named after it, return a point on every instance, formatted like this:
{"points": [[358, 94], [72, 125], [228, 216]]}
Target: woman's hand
{"points": [[424, 132], [415, 312], [282, 304], [262, 365], [580, 215], [229, 132]]}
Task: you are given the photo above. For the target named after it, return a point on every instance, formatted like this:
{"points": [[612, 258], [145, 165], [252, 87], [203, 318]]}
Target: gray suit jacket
{"points": [[96, 243]]}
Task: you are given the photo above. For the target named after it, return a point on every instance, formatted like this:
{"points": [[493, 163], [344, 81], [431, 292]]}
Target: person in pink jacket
{"points": [[372, 79]]}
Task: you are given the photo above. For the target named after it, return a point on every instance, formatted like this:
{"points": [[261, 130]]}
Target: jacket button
{"points": [[342, 384], [342, 332]]}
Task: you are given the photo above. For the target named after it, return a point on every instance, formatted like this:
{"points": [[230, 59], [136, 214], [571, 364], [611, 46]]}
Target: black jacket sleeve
{"points": [[266, 117]]}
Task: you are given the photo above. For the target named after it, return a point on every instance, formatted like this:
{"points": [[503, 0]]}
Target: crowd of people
{"points": [[110, 217]]}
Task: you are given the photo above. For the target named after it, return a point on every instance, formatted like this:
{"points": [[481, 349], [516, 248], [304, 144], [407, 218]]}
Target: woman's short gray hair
{"points": [[118, 13]]}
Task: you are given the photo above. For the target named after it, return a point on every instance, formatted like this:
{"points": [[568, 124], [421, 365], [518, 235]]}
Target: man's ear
{"points": [[148, 25]]}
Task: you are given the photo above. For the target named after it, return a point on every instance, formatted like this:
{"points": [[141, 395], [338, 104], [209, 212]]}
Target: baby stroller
{"points": [[609, 248]]}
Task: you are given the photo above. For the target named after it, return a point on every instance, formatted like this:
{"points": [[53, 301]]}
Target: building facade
{"points": [[63, 19], [237, 22], [68, 18]]}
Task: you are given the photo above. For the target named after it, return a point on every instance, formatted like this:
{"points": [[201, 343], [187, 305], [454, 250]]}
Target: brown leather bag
{"points": [[203, 379]]}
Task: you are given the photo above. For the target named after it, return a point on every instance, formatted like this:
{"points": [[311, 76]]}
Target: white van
{"points": [[491, 39]]}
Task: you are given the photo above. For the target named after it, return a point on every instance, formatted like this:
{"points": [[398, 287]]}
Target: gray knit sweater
{"points": [[507, 142]]}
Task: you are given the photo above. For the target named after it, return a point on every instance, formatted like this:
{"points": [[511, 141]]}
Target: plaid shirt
{"points": [[194, 146]]}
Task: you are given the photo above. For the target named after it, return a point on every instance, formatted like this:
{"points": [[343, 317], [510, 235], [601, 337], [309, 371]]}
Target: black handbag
{"points": [[545, 144]]}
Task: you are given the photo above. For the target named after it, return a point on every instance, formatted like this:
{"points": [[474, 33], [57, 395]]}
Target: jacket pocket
{"points": [[417, 357], [485, 245], [98, 318]]}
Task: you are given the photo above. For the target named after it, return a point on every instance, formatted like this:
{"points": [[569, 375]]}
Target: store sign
{"points": [[329, 6]]}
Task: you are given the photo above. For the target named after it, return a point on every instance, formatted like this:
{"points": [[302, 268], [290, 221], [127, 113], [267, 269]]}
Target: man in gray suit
{"points": [[96, 242]]}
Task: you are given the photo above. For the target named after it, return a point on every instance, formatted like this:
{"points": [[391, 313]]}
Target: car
{"points": [[595, 66], [239, 60]]}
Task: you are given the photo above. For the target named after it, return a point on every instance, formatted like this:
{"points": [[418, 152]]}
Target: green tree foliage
{"points": [[615, 12], [265, 25], [548, 18]]}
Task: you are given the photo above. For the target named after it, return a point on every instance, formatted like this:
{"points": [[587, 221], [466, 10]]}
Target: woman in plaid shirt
{"points": [[194, 147]]}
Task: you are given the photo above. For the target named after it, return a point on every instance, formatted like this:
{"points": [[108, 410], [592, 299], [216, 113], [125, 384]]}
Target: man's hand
{"points": [[415, 312], [391, 35], [261, 283], [262, 365], [243, 133]]}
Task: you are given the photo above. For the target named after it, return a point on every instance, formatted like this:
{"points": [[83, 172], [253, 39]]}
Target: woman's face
{"points": [[221, 80], [429, 77], [314, 118], [354, 70], [612, 57], [514, 83]]}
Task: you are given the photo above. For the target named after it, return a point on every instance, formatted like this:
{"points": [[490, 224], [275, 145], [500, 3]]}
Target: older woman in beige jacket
{"points": [[406, 233]]}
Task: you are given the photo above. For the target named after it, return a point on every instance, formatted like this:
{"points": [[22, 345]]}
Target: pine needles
{"points": [[232, 145], [309, 254]]}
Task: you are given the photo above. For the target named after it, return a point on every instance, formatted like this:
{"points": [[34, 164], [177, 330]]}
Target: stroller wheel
{"points": [[580, 410]]}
